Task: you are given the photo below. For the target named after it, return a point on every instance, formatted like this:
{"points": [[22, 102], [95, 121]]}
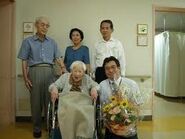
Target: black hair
{"points": [[78, 30], [107, 21], [111, 58]]}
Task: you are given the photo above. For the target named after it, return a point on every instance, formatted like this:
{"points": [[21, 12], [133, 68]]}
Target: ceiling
{"points": [[171, 21]]}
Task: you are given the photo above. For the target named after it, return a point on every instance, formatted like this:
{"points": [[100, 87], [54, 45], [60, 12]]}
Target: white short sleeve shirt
{"points": [[112, 47]]}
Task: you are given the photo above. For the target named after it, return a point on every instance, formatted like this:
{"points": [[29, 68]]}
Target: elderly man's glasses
{"points": [[44, 25]]}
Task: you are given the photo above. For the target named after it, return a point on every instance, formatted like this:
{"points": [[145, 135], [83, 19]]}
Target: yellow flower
{"points": [[106, 108], [111, 105], [113, 99], [124, 103]]}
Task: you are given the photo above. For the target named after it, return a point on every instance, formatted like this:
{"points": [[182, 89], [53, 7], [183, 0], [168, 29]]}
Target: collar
{"points": [[36, 37], [116, 81], [111, 39]]}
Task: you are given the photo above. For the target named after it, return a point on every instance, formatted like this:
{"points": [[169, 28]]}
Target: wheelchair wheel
{"points": [[99, 120], [52, 121], [49, 118]]}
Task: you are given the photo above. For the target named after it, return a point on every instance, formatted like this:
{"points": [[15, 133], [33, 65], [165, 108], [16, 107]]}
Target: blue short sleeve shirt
{"points": [[36, 51], [71, 55]]}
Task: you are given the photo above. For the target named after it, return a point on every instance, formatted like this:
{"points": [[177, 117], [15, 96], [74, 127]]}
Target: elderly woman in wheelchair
{"points": [[75, 109]]}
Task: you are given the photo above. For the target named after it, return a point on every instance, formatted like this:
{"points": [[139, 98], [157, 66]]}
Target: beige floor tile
{"points": [[169, 135], [168, 123]]}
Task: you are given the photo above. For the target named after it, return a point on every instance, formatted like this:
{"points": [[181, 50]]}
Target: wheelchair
{"points": [[53, 125], [52, 121]]}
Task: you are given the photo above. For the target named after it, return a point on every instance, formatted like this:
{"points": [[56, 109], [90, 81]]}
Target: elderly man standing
{"points": [[38, 54]]}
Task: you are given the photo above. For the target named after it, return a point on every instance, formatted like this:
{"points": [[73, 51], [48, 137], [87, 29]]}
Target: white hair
{"points": [[40, 18], [79, 64]]}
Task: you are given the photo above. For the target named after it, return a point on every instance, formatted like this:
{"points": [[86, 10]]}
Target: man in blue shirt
{"points": [[38, 54]]}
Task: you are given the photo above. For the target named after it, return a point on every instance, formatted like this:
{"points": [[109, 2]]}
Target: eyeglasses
{"points": [[44, 25]]}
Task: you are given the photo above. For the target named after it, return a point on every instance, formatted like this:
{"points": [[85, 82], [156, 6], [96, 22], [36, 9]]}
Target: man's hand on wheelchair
{"points": [[54, 94], [94, 94]]}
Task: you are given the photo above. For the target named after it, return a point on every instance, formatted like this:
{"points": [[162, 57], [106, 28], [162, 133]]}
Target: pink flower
{"points": [[115, 110]]}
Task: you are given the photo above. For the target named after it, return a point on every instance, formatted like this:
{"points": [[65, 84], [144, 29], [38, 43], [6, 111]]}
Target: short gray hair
{"points": [[78, 64], [40, 18]]}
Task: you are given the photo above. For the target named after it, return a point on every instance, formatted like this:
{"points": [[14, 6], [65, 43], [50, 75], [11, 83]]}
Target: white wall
{"points": [[170, 3], [87, 14]]}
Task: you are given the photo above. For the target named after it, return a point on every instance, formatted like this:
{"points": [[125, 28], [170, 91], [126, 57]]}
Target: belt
{"points": [[42, 65]]}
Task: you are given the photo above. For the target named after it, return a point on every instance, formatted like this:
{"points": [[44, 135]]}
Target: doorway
{"points": [[169, 51]]}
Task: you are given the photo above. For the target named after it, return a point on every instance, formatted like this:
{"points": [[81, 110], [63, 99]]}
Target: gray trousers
{"points": [[41, 78]]}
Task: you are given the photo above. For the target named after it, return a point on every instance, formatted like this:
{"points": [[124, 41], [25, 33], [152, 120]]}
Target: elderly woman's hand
{"points": [[54, 94], [94, 93]]}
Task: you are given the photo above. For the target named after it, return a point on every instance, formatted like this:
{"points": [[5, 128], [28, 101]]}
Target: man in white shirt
{"points": [[106, 47], [106, 89]]}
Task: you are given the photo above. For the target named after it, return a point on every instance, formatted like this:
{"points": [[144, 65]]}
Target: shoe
{"points": [[37, 135]]}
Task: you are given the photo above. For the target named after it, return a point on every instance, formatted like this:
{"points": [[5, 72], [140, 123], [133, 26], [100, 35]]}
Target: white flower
{"points": [[113, 117]]}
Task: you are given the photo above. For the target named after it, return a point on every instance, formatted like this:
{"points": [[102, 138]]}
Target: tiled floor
{"points": [[168, 123], [168, 120]]}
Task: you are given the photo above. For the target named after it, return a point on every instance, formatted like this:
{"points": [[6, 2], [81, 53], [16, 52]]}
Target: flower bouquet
{"points": [[120, 114]]}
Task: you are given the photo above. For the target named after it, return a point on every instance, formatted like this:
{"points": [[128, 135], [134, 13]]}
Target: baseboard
{"points": [[146, 118], [24, 118], [29, 119]]}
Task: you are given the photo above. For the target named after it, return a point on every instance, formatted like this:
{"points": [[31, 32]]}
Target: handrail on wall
{"points": [[20, 75], [141, 77]]}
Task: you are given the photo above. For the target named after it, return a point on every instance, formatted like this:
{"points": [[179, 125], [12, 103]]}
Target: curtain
{"points": [[169, 67]]}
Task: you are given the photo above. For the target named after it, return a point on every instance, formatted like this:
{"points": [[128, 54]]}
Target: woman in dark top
{"points": [[77, 51]]}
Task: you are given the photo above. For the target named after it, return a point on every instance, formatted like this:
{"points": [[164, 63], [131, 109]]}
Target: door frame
{"points": [[8, 70], [155, 9]]}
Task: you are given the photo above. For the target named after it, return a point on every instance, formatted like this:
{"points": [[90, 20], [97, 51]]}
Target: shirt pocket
{"points": [[115, 52], [100, 53]]}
